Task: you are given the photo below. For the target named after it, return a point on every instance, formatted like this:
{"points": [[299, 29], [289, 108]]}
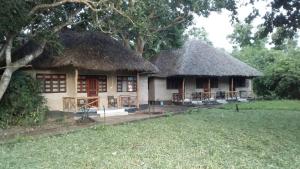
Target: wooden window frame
{"points": [[200, 82], [49, 78], [214, 82], [102, 83], [240, 82], [173, 82], [82, 83], [121, 79]]}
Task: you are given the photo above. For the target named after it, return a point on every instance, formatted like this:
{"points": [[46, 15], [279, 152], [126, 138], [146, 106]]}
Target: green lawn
{"points": [[268, 105], [206, 138]]}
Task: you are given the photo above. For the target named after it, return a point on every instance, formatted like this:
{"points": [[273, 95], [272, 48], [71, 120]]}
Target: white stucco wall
{"points": [[159, 92], [143, 88], [55, 100], [151, 91]]}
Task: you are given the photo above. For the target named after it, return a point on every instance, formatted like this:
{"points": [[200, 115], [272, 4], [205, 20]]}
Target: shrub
{"points": [[22, 103], [281, 80]]}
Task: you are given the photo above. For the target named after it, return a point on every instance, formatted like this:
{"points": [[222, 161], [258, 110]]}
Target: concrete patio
{"points": [[61, 123]]}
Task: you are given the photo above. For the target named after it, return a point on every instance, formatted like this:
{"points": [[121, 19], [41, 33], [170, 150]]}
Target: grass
{"points": [[268, 105], [205, 138]]}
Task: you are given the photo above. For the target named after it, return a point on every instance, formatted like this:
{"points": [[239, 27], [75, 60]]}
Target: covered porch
{"points": [[199, 88], [97, 91]]}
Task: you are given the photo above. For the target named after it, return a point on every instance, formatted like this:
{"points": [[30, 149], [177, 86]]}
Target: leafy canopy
{"points": [[283, 19], [155, 25]]}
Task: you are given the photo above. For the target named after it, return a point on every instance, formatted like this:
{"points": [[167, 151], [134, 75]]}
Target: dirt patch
{"points": [[83, 121], [55, 121]]}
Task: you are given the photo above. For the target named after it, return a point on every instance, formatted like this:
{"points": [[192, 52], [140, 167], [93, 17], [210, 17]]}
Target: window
{"points": [[240, 82], [203, 83], [200, 82], [174, 82], [126, 84], [102, 82], [52, 83], [214, 83], [82, 83]]}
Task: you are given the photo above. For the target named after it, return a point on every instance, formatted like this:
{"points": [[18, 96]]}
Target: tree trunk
{"points": [[5, 79], [126, 43], [12, 67], [140, 43]]}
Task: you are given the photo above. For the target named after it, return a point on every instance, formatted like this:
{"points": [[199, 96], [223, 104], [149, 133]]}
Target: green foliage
{"points": [[160, 23], [281, 71], [205, 138], [282, 79], [282, 19], [22, 103], [242, 35], [280, 65], [16, 19], [198, 33]]}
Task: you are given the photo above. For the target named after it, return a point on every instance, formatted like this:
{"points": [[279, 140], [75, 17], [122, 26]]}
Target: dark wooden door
{"points": [[206, 90], [180, 89], [92, 90], [205, 86]]}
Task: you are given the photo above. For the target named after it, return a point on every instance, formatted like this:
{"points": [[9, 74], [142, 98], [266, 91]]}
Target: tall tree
{"points": [[158, 24], [39, 20], [283, 18], [242, 35], [153, 24], [279, 64]]}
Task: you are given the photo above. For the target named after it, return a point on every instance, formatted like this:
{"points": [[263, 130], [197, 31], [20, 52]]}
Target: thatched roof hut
{"points": [[91, 51], [197, 58]]}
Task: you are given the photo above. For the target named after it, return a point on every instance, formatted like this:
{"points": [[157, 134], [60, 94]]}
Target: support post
{"points": [[231, 88], [76, 85], [183, 89], [138, 90], [232, 83], [209, 89]]}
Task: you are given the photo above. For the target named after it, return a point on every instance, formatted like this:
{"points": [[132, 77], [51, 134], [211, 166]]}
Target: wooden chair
{"points": [[112, 101]]}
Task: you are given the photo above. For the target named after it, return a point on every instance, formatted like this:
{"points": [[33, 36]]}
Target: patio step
{"points": [[112, 112]]}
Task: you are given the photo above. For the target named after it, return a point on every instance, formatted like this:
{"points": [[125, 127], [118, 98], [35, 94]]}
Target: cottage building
{"points": [[92, 69], [198, 72]]}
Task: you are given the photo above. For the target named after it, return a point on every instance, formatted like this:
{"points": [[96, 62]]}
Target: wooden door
{"points": [[205, 86], [180, 89], [206, 89], [92, 90]]}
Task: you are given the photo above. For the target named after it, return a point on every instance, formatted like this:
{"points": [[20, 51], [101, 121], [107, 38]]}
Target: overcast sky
{"points": [[218, 25]]}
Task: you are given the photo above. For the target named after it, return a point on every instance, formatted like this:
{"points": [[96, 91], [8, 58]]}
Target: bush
{"points": [[281, 80], [22, 103]]}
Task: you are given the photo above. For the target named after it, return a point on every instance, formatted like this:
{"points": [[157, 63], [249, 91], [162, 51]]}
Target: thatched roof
{"points": [[197, 58], [92, 51]]}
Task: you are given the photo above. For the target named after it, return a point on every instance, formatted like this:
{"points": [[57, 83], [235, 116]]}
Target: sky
{"points": [[218, 25]]}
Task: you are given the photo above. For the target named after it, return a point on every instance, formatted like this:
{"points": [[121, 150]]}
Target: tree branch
{"points": [[177, 21], [37, 8], [121, 13], [8, 48], [2, 50], [89, 3], [28, 58]]}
